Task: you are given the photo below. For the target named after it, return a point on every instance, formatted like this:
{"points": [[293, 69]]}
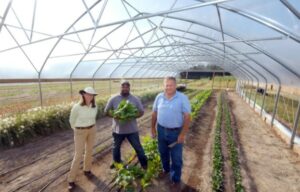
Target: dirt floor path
{"points": [[269, 163], [39, 164], [195, 176], [103, 175], [29, 167], [43, 164], [197, 168]]}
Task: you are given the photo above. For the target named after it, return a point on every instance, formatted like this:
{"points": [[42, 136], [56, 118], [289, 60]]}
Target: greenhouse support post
{"points": [[276, 105], [245, 87], [237, 86], [257, 85], [241, 89], [40, 90], [71, 88], [250, 91], [263, 101], [246, 91], [110, 91], [295, 126], [141, 85], [222, 79], [213, 79]]}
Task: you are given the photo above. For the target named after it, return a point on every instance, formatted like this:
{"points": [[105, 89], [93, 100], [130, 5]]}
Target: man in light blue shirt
{"points": [[170, 122]]}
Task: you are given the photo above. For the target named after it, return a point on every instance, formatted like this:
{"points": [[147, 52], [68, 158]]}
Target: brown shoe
{"points": [[71, 186]]}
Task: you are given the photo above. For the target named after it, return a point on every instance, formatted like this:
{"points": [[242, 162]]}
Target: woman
{"points": [[83, 120]]}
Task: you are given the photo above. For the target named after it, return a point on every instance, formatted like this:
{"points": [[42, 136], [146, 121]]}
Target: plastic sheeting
{"points": [[252, 39]]}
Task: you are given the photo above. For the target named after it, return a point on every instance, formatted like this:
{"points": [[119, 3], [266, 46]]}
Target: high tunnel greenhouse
{"points": [[50, 49]]}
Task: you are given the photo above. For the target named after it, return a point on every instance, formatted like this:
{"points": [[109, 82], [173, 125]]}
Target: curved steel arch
{"points": [[175, 60], [218, 5], [263, 21], [62, 35], [162, 65], [233, 49], [116, 51], [125, 58], [244, 69], [5, 14], [128, 20], [236, 37], [178, 45], [84, 55], [212, 46]]}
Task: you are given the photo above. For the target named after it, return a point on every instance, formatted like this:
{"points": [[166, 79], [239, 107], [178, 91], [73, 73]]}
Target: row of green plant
{"points": [[217, 175], [232, 148], [190, 93], [131, 177], [223, 116], [20, 128], [198, 101]]}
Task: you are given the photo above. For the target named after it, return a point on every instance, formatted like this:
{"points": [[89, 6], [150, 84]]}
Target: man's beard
{"points": [[124, 94]]}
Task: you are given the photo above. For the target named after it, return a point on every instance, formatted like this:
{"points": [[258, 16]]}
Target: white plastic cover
{"points": [[252, 39]]}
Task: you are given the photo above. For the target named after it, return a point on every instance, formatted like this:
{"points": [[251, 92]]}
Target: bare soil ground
{"points": [[196, 154], [41, 164], [227, 168], [268, 163]]}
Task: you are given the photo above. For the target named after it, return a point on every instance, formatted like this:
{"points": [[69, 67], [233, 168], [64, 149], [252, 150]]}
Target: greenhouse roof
{"points": [[69, 39]]}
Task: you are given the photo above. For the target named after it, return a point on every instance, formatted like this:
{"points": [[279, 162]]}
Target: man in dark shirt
{"points": [[128, 129]]}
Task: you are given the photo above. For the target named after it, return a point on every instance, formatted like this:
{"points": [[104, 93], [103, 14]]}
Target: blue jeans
{"points": [[134, 140], [166, 137]]}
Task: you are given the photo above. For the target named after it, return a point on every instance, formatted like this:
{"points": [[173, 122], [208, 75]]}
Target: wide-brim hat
{"points": [[88, 90]]}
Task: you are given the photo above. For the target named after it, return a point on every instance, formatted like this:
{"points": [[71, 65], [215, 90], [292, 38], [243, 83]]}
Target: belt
{"points": [[170, 129], [88, 127]]}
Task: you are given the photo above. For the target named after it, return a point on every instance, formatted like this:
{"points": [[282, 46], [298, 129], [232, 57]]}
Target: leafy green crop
{"points": [[198, 101], [232, 148], [21, 128], [131, 177], [217, 176], [125, 111]]}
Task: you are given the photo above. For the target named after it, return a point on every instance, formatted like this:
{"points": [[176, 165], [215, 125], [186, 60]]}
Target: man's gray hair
{"points": [[170, 78]]}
